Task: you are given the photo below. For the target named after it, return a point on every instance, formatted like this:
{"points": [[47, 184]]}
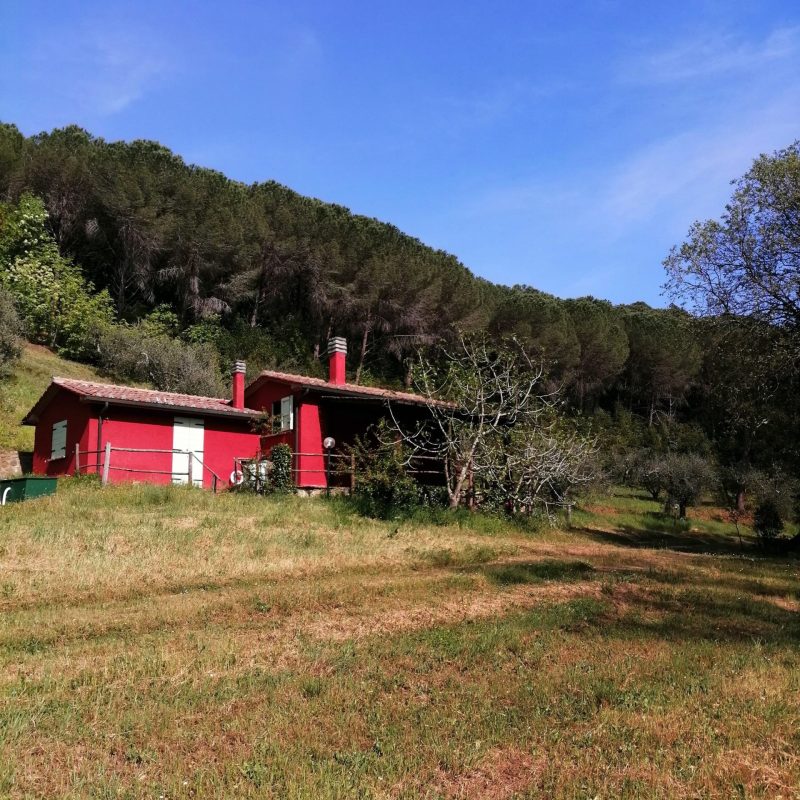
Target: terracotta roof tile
{"points": [[152, 397], [344, 389]]}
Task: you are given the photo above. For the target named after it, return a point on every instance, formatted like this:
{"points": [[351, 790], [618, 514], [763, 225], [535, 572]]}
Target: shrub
{"points": [[648, 471], [10, 328], [383, 488], [161, 321], [686, 477], [767, 521], [58, 306], [129, 353], [281, 473]]}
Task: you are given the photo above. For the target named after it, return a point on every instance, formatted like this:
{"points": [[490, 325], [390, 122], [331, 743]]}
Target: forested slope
{"points": [[198, 270]]}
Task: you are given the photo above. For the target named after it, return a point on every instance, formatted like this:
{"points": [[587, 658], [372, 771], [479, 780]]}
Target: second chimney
{"points": [[337, 353], [237, 385]]}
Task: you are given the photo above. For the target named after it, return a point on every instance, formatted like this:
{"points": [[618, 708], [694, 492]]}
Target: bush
{"points": [[646, 470], [383, 488], [129, 353], [767, 521], [686, 477], [280, 477], [10, 328], [58, 307]]}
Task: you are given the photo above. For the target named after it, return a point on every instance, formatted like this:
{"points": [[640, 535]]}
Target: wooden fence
{"points": [[106, 464]]}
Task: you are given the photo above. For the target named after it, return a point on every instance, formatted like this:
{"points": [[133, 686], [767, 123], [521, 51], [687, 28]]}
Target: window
{"points": [[58, 448], [283, 415]]}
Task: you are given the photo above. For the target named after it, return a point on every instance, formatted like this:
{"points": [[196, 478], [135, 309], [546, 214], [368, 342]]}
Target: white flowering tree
{"points": [[57, 305]]}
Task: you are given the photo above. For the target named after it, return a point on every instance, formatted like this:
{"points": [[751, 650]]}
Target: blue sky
{"points": [[562, 145]]}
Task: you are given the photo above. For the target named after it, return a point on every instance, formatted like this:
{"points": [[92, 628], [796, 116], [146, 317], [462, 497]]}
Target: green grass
{"points": [[163, 642], [632, 515], [166, 642], [18, 394]]}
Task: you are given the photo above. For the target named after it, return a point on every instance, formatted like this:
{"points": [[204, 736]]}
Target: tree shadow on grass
{"points": [[536, 572], [660, 537], [696, 614], [732, 576]]}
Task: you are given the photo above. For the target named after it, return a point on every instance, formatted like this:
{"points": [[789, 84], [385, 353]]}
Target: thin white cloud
{"points": [[105, 68], [710, 55], [684, 174], [687, 172]]}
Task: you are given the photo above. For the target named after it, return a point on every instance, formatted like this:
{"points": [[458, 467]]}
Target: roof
{"points": [[351, 390], [90, 391]]}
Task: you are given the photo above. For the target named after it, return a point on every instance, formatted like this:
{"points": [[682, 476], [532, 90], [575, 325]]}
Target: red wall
{"points": [[145, 429], [223, 440], [262, 398], [65, 405], [126, 427], [310, 462], [226, 439]]}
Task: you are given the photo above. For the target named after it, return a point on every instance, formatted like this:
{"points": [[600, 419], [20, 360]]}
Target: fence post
{"points": [[191, 463], [77, 458], [106, 463]]}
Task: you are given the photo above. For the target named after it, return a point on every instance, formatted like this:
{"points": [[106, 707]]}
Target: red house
{"points": [[164, 437]]}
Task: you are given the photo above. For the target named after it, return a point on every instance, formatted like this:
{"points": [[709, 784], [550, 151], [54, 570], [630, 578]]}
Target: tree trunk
{"points": [[458, 489], [740, 501], [364, 341]]}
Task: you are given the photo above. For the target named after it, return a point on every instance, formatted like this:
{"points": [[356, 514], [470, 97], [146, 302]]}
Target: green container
{"points": [[15, 490]]}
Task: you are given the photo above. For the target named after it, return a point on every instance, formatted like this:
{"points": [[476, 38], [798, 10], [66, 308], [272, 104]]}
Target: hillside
{"points": [[167, 272], [165, 642], [30, 378]]}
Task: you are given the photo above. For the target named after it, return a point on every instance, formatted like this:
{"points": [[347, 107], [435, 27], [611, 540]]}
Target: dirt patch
{"points": [[786, 603], [715, 514], [501, 773]]}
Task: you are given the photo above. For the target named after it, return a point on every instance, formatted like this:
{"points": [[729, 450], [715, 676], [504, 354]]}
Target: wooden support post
{"points": [[106, 463], [77, 458], [191, 463]]}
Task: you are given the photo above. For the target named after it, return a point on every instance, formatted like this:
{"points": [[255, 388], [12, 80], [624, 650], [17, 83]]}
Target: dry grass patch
{"points": [[502, 773], [170, 643]]}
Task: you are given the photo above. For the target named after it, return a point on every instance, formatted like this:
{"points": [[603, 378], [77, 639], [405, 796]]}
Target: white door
{"points": [[187, 435]]}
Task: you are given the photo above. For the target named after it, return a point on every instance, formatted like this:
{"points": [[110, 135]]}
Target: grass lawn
{"points": [[168, 643], [19, 393]]}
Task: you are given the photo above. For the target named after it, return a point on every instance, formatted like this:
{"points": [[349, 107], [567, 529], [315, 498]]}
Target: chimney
{"points": [[237, 388], [337, 352]]}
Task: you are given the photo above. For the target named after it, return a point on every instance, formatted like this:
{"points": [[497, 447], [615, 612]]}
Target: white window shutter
{"points": [[287, 413], [58, 447]]}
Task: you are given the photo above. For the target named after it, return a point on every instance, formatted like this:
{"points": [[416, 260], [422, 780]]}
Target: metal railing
{"points": [[339, 468]]}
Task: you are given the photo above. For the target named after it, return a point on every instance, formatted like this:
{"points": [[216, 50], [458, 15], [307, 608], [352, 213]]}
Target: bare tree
{"points": [[491, 422], [540, 464]]}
